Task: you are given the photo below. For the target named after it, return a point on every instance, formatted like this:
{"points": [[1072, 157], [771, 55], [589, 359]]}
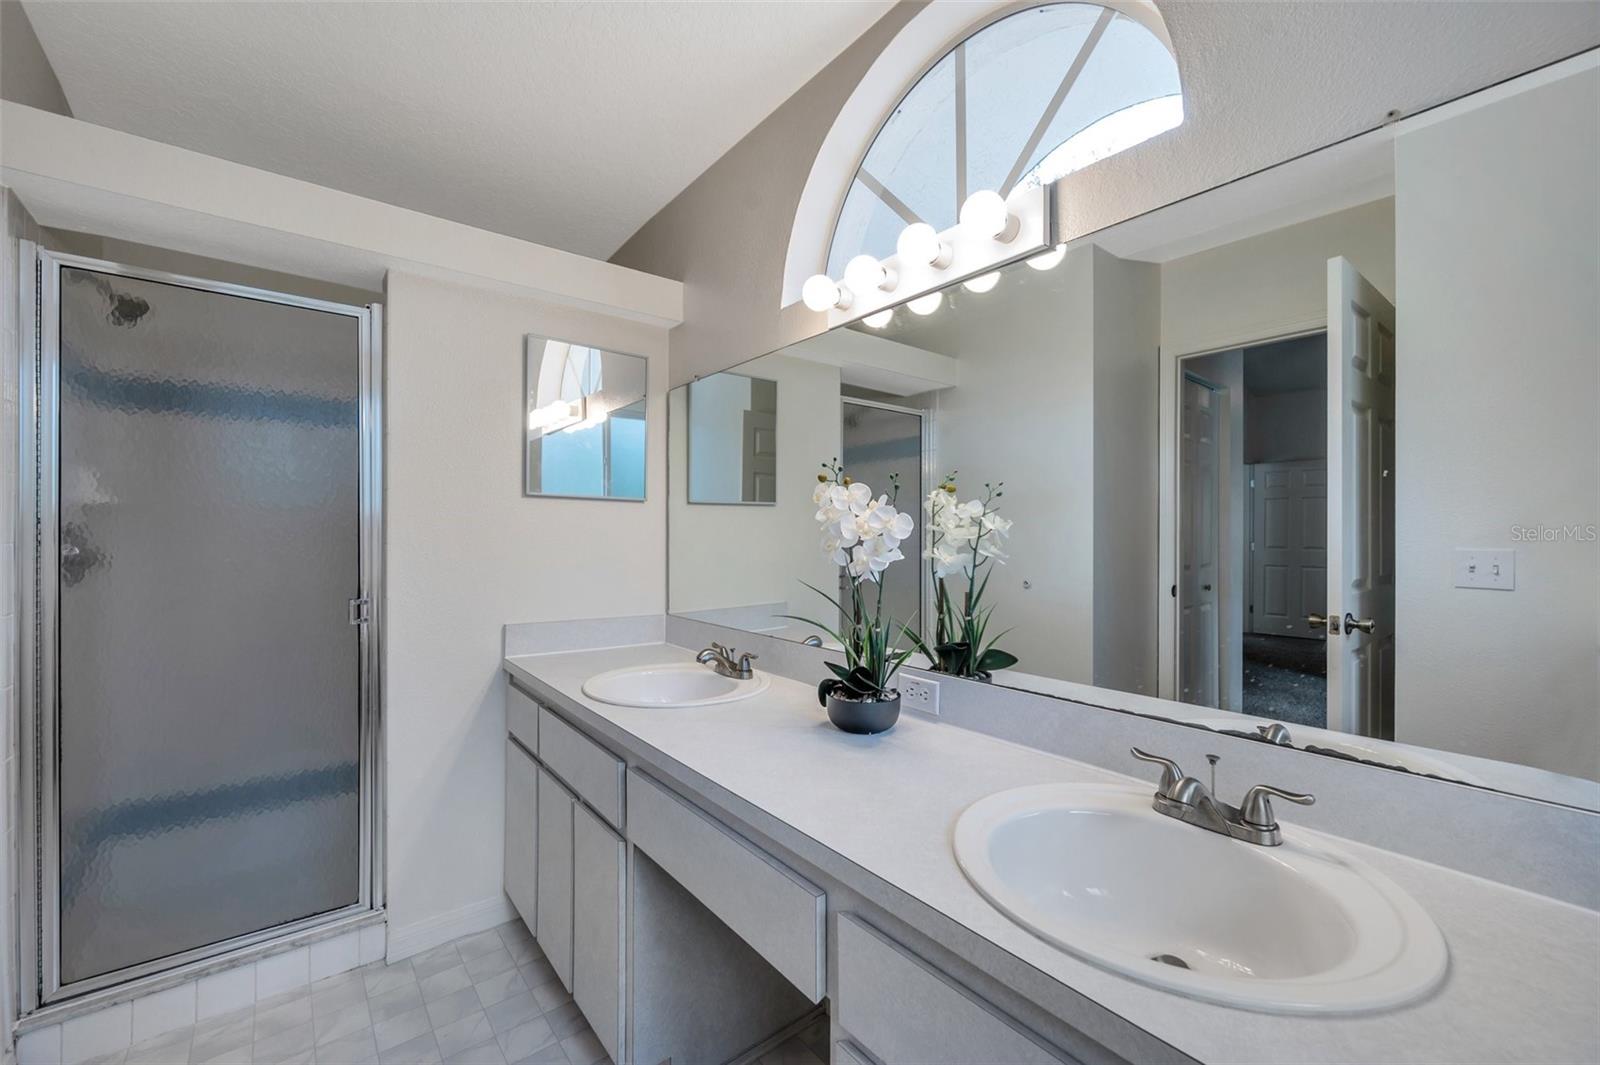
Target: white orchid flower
{"points": [[993, 523], [857, 496], [860, 567], [901, 527]]}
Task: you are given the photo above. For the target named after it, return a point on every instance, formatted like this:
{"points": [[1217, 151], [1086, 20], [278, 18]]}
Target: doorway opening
{"points": [[1253, 529]]}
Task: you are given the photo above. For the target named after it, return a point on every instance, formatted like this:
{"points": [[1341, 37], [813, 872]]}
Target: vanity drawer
{"points": [[522, 717], [905, 1012], [586, 767], [772, 908]]}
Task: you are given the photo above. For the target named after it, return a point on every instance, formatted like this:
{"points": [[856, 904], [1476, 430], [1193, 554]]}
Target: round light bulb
{"points": [[986, 212], [919, 242], [926, 304], [864, 273], [983, 282], [1048, 259], [881, 319], [822, 293]]}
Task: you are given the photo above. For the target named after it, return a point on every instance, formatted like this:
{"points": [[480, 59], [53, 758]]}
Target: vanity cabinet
{"points": [[553, 928], [771, 907], [903, 1011], [522, 814], [599, 926]]}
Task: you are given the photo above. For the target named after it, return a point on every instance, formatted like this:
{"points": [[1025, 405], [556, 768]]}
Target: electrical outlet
{"points": [[919, 693]]}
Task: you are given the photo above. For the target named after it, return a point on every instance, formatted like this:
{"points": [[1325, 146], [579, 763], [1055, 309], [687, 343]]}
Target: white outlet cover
{"points": [[919, 693], [1486, 567]]}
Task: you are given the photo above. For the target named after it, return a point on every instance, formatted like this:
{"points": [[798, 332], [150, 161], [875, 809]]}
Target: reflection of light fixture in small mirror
{"points": [[926, 304], [881, 319], [553, 417], [1046, 260], [983, 282]]}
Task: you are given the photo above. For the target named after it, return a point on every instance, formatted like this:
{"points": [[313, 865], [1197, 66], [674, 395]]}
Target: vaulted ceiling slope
{"points": [[568, 124]]}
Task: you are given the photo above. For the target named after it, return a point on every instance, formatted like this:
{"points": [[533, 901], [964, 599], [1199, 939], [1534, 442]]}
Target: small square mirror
{"points": [[584, 424]]}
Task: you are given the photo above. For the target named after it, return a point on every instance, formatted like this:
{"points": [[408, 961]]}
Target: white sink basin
{"points": [[671, 685], [1297, 928]]}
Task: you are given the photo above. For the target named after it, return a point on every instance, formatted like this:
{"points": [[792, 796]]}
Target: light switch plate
{"points": [[918, 693], [1478, 567]]}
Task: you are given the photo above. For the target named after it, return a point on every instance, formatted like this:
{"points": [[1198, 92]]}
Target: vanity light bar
{"points": [[992, 229]]}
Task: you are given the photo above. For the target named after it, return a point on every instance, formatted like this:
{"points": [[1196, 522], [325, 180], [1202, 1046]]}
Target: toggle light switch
{"points": [[1494, 568]]}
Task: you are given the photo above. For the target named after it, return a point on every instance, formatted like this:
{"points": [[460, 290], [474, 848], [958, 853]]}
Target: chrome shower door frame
{"points": [[38, 681]]}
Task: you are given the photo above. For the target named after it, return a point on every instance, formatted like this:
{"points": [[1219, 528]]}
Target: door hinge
{"points": [[360, 610]]}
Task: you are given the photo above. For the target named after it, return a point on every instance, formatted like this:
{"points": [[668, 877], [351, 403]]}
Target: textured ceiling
{"points": [[569, 124]]}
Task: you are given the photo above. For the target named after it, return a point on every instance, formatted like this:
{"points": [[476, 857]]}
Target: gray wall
{"points": [[25, 73]]}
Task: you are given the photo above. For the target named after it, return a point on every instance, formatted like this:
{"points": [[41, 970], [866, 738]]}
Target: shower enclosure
{"points": [[199, 483]]}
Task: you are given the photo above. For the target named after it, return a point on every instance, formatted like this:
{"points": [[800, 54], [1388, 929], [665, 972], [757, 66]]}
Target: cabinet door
{"points": [[554, 930], [598, 916], [522, 829]]}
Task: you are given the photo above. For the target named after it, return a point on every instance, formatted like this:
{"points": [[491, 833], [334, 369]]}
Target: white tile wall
{"points": [[283, 972], [146, 1020], [337, 955], [374, 943], [224, 992], [163, 1011], [42, 1046], [102, 1032]]}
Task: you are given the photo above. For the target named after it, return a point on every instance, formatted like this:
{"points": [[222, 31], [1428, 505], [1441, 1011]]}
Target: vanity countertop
{"points": [[1524, 974]]}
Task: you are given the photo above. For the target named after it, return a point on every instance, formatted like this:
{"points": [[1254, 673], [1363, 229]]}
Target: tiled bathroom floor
{"points": [[485, 999]]}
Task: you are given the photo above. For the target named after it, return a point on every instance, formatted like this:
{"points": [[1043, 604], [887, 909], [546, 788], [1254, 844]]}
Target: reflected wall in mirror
{"points": [[1316, 451], [733, 439], [584, 433]]}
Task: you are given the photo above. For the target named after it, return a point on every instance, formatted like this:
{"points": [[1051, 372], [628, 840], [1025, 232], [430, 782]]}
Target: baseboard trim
{"points": [[441, 928]]}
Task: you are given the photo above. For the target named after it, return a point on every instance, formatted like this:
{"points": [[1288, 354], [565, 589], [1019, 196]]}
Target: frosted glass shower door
{"points": [[209, 680]]}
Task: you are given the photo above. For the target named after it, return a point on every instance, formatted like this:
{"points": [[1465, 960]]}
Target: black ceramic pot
{"points": [[863, 716]]}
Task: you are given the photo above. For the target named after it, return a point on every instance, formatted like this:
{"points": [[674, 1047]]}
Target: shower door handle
{"points": [[359, 610]]}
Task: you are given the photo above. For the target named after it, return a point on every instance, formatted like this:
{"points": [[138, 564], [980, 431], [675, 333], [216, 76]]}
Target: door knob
{"points": [[1317, 621], [1366, 625]]}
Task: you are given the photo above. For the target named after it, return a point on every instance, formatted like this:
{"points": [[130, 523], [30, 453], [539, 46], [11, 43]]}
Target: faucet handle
{"points": [[745, 660], [1256, 809], [1171, 772], [1275, 733]]}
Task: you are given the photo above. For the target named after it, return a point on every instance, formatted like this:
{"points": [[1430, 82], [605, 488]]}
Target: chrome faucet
{"points": [[1188, 800], [721, 660]]}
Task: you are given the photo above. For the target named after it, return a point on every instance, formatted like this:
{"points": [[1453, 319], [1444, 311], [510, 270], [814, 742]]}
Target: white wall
{"points": [[467, 552], [1498, 379], [1024, 414], [1057, 399], [726, 556], [1273, 284], [1127, 338]]}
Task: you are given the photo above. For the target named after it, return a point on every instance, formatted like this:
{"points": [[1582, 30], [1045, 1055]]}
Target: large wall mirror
{"points": [[1312, 457], [584, 434]]}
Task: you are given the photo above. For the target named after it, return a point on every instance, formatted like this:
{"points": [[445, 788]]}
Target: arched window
{"points": [[1024, 100]]}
